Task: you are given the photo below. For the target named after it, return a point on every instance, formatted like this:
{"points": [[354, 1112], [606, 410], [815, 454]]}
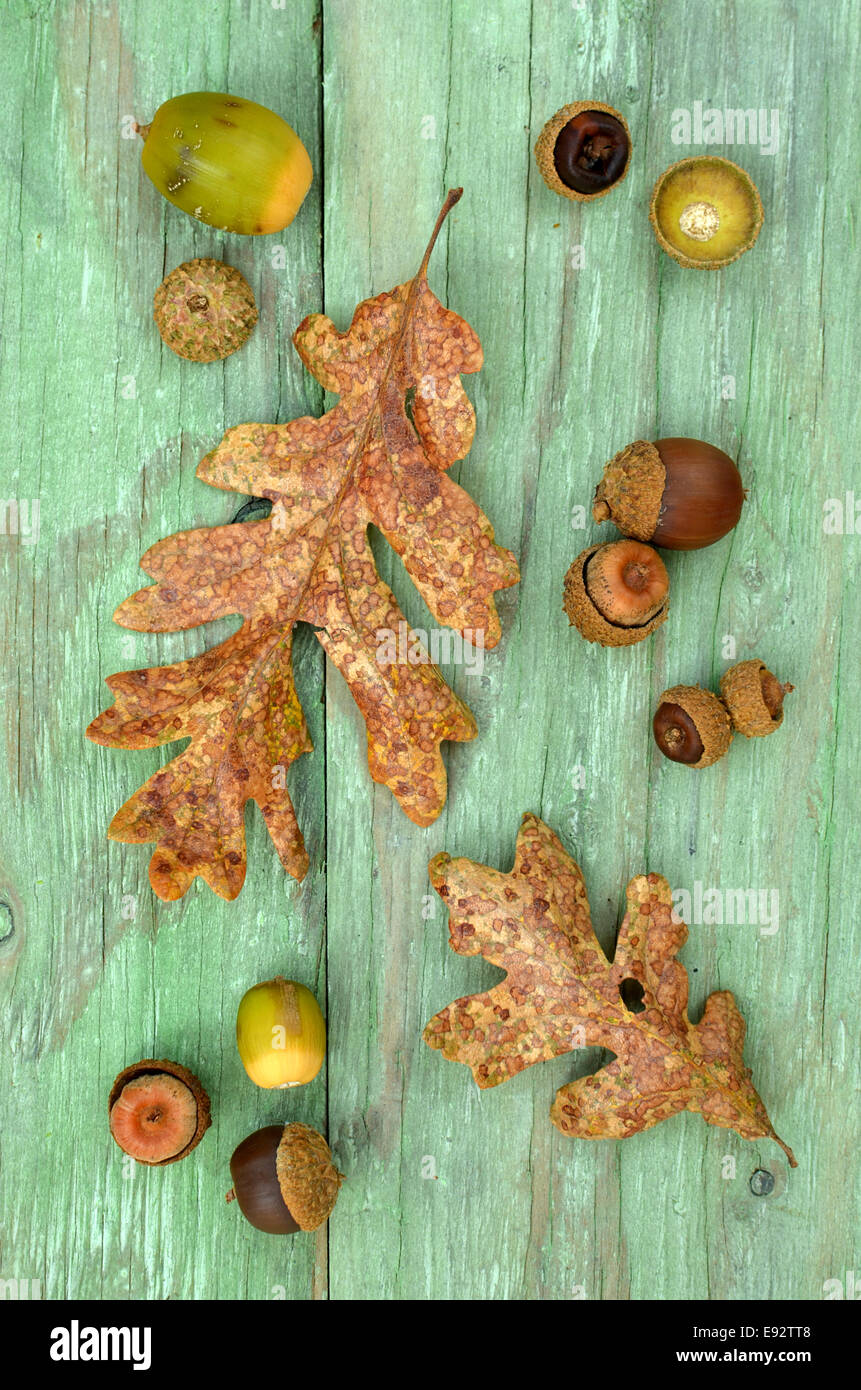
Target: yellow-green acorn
{"points": [[280, 1034], [227, 161]]}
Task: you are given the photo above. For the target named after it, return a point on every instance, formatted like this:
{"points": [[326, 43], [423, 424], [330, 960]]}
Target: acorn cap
{"points": [[204, 310], [308, 1178], [546, 145], [743, 694], [591, 624], [710, 716], [150, 1066], [706, 182], [631, 489]]}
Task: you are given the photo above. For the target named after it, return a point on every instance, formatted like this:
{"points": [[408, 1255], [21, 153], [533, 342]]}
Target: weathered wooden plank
{"points": [[109, 427], [579, 361]]}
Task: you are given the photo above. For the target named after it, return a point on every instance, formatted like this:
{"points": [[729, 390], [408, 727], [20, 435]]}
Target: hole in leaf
{"points": [[7, 923], [631, 992], [256, 510], [761, 1182]]}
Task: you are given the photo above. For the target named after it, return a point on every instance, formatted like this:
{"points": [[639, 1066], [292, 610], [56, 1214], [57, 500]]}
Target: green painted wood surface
{"points": [[397, 102]]}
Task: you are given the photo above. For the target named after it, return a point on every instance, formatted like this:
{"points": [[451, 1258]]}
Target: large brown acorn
{"points": [[681, 494], [617, 594], [284, 1179], [754, 698]]}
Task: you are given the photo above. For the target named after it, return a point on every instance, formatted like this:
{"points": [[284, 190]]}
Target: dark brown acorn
{"points": [[284, 1179], [692, 726], [584, 150]]}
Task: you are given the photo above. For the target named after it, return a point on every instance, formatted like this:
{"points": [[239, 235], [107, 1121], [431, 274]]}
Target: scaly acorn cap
{"points": [[150, 1066], [308, 1178], [204, 310], [710, 716], [545, 146], [707, 176], [743, 688], [631, 489], [589, 622]]}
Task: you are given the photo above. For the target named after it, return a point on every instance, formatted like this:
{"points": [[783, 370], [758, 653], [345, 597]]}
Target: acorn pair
{"points": [[680, 494], [695, 726], [238, 167], [284, 1178]]}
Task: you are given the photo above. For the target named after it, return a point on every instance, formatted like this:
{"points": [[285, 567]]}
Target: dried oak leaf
{"points": [[366, 461], [561, 993]]}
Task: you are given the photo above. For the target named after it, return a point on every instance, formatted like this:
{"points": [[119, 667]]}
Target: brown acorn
{"points": [[692, 726], [158, 1111], [284, 1179], [584, 150], [681, 494], [617, 594], [754, 698]]}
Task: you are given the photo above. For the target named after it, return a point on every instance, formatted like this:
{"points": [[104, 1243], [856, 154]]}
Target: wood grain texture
{"points": [[398, 102]]}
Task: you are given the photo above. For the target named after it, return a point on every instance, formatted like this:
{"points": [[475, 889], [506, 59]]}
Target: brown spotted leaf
{"points": [[372, 459], [561, 993]]}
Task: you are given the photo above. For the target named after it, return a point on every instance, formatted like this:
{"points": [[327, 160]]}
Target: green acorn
{"points": [[226, 161]]}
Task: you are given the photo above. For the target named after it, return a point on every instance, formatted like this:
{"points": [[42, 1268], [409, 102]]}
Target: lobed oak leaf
{"points": [[561, 993], [369, 460]]}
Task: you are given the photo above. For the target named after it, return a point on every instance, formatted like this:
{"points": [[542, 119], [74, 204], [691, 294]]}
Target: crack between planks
{"points": [[528, 200], [647, 818], [320, 21]]}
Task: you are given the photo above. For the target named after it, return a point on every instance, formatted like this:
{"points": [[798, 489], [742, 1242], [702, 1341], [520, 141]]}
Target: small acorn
{"points": [[681, 494], [284, 1179], [705, 212], [280, 1034], [226, 161], [584, 150], [158, 1111], [617, 594], [204, 310], [692, 726], [754, 698]]}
